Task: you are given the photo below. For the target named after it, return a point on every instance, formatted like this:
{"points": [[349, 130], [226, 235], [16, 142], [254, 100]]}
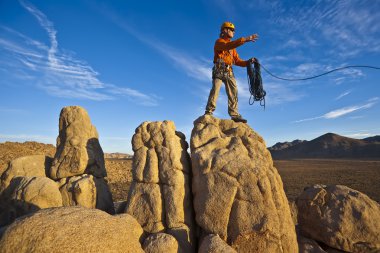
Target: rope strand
{"points": [[316, 76]]}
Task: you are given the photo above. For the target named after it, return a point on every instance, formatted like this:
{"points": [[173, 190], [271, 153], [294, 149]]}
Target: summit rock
{"points": [[238, 193]]}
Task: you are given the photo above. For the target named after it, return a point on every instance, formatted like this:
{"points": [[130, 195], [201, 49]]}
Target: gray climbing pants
{"points": [[232, 94]]}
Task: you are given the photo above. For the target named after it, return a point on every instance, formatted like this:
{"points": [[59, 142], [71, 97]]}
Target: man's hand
{"points": [[252, 38]]}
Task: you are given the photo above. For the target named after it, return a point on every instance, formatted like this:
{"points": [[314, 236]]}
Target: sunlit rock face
{"points": [[160, 195], [340, 217], [78, 148], [237, 192]]}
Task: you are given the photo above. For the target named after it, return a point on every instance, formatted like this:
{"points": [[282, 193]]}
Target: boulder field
{"points": [[222, 195]]}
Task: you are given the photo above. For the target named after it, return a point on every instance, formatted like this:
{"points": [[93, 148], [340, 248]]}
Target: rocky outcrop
{"points": [[27, 194], [340, 217], [24, 188], [160, 243], [87, 191], [238, 194], [214, 244], [78, 164], [30, 166], [78, 148], [160, 195], [40, 192], [28, 183], [72, 229]]}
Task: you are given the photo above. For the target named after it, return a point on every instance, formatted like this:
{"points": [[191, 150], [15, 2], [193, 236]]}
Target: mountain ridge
{"points": [[330, 146]]}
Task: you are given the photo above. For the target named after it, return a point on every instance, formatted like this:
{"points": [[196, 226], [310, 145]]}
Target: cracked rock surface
{"points": [[78, 148], [340, 217], [160, 195], [237, 192]]}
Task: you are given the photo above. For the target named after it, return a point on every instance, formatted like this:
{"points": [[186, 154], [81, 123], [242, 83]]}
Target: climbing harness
{"points": [[255, 83], [222, 71]]}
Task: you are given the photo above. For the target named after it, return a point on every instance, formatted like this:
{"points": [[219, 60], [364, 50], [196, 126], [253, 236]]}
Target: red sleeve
{"points": [[223, 45]]}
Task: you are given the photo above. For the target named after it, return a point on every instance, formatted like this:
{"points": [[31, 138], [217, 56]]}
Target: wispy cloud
{"points": [[60, 73], [343, 94], [292, 43], [27, 137], [276, 93], [342, 111], [351, 27], [359, 135], [194, 67], [11, 110]]}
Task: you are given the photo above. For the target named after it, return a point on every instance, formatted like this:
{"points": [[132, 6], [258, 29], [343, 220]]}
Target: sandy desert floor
{"points": [[119, 176], [363, 176]]}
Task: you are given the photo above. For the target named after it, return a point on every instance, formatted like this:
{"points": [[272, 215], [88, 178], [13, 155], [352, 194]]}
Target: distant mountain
{"points": [[330, 146], [373, 139], [283, 145], [117, 155]]}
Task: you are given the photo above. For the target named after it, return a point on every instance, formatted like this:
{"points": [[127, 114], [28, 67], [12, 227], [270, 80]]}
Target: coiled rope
{"points": [[255, 84]]}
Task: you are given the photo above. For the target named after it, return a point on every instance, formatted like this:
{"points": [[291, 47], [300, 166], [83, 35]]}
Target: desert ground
{"points": [[119, 177], [363, 176]]}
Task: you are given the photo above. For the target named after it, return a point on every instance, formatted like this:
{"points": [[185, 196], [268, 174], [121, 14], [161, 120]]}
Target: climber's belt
{"points": [[222, 71]]}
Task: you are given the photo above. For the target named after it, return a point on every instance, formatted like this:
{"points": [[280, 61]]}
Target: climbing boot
{"points": [[239, 118]]}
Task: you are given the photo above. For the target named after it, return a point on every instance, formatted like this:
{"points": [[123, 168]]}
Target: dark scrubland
{"points": [[361, 175]]}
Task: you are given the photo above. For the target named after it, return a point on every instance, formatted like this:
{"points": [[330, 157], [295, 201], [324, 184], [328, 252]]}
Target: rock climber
{"points": [[225, 56]]}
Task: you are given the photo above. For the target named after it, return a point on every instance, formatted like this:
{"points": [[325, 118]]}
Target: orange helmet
{"points": [[227, 25]]}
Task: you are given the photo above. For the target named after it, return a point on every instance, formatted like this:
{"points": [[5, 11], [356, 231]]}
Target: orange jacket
{"points": [[225, 49]]}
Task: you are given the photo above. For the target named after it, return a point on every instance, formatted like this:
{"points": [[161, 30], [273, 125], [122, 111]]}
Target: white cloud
{"points": [[359, 135], [343, 94], [340, 112], [292, 43], [276, 93], [351, 27], [346, 110], [56, 72], [197, 68], [11, 110], [193, 67]]}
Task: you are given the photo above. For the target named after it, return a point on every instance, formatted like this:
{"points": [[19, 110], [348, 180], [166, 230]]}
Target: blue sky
{"points": [[127, 62]]}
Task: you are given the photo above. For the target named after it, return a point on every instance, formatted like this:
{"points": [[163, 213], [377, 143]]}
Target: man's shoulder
{"points": [[220, 40]]}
